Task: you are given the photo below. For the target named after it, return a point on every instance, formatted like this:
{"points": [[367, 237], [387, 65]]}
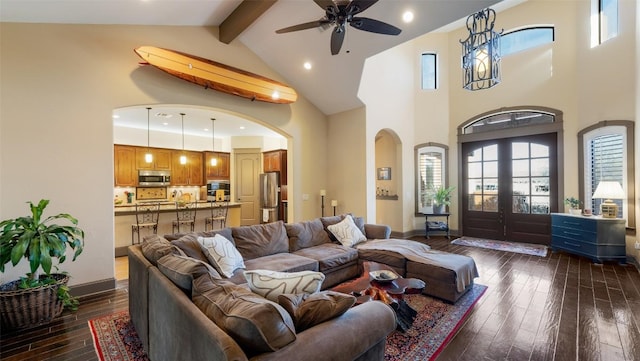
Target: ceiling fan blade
{"points": [[337, 37], [325, 4], [374, 26], [358, 6], [303, 26]]}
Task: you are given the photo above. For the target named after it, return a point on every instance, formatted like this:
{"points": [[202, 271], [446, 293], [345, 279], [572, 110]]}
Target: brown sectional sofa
{"points": [[172, 327]]}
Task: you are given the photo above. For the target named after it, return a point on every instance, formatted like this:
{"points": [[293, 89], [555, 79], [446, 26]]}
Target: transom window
{"points": [[527, 38], [508, 120], [604, 21]]}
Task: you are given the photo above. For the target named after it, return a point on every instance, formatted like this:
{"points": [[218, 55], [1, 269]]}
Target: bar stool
{"points": [[185, 215], [147, 215], [218, 214]]}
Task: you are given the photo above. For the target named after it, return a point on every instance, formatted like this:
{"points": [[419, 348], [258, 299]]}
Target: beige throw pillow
{"points": [[346, 232], [222, 255], [270, 284]]}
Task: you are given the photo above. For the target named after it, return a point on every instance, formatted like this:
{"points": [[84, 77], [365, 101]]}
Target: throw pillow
{"points": [[306, 234], [182, 270], [155, 247], [346, 232], [255, 323], [270, 284], [310, 310], [221, 254]]}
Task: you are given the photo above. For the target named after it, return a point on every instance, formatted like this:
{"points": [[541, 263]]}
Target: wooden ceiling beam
{"points": [[242, 17]]}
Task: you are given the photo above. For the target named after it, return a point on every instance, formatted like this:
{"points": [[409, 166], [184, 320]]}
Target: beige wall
{"points": [[388, 151], [587, 85], [59, 86]]}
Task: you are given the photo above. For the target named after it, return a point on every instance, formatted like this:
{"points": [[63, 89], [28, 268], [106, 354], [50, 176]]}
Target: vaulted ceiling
{"points": [[332, 82]]}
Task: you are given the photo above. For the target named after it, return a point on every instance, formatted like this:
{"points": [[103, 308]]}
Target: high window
{"points": [[527, 38], [607, 155], [431, 174], [604, 21], [429, 71]]}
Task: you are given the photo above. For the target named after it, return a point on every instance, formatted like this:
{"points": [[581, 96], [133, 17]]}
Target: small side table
{"points": [[436, 226]]}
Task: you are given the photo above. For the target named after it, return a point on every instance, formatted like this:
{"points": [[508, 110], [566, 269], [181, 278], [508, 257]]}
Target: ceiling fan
{"points": [[340, 14]]}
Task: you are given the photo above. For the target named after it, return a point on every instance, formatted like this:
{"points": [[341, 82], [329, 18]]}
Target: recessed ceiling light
{"points": [[307, 65], [206, 129], [115, 116], [242, 127], [407, 17], [275, 95], [165, 123]]}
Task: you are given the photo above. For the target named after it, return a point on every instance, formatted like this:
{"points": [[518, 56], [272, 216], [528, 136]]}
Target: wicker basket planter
{"points": [[22, 308]]}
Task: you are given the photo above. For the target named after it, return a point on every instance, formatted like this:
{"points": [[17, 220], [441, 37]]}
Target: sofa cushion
{"points": [[271, 284], [329, 255], [221, 253], [261, 240], [283, 262], [182, 270], [346, 232], [155, 247], [306, 234], [255, 323], [310, 310], [225, 232]]}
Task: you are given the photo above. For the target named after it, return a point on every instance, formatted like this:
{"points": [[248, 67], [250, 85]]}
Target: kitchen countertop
{"points": [[165, 206]]}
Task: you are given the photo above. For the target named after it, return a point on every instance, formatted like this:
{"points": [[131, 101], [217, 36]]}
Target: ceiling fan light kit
{"points": [[339, 15]]}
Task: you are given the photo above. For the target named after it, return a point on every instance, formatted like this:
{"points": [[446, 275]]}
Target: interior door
{"points": [[510, 187], [247, 190]]}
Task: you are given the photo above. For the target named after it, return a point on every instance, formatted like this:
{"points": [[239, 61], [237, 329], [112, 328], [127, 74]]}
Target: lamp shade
{"points": [[609, 190]]}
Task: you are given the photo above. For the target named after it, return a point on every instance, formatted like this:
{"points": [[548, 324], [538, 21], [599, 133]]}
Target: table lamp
{"points": [[608, 190]]}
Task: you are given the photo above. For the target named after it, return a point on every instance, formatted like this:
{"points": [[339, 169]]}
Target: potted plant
{"points": [[38, 297], [441, 199], [574, 205]]}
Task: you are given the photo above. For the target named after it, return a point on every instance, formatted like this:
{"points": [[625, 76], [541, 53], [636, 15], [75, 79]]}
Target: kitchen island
{"points": [[125, 216]]}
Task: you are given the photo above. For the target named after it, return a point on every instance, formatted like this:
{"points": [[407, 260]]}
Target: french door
{"points": [[510, 188]]}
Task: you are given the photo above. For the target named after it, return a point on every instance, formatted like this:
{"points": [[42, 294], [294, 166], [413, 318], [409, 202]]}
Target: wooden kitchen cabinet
{"points": [[161, 158], [219, 171], [125, 172], [276, 161], [190, 174]]}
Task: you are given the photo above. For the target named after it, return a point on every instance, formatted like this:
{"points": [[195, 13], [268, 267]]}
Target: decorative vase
{"points": [[575, 211], [20, 308], [439, 209]]}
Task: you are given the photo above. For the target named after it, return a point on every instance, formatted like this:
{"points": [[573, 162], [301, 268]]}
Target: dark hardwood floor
{"points": [[560, 307]]}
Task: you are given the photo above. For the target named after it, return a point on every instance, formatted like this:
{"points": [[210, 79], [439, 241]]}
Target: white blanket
{"points": [[463, 266]]}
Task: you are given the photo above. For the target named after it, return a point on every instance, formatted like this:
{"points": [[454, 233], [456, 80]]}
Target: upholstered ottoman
{"points": [[441, 282]]}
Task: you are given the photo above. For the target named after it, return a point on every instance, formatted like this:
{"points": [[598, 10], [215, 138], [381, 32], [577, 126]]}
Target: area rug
{"points": [[436, 324], [515, 247], [115, 338]]}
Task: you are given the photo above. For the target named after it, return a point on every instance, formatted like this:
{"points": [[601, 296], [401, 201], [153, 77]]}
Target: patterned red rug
{"points": [[115, 338], [434, 326]]}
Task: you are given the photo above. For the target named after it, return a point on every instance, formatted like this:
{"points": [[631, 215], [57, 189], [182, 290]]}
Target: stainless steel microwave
{"points": [[154, 178]]}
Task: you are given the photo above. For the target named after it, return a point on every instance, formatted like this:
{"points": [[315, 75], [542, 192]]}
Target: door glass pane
{"points": [[475, 202], [474, 170], [520, 204], [490, 203], [519, 150], [475, 156], [540, 167], [540, 186], [491, 186], [490, 152], [521, 186], [490, 169], [520, 168], [539, 150], [540, 205]]}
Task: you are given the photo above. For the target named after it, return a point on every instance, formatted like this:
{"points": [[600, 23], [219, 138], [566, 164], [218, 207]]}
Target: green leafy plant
{"points": [[442, 196], [573, 202], [40, 242]]}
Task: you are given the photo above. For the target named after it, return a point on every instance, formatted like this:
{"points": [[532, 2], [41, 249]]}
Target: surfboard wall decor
{"points": [[220, 77]]}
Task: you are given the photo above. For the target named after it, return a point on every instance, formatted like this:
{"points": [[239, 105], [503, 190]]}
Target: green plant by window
{"points": [[573, 202], [442, 196]]}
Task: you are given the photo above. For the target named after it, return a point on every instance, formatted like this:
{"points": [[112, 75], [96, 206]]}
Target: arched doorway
{"points": [[388, 178], [510, 174]]}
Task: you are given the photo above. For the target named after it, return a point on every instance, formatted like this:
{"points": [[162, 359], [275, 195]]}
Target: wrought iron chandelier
{"points": [[481, 52]]}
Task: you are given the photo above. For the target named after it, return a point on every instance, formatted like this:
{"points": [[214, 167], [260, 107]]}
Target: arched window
{"points": [[606, 154], [431, 173], [526, 38]]}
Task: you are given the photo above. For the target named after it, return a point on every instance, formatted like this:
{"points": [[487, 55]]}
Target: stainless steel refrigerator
{"points": [[269, 189]]}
